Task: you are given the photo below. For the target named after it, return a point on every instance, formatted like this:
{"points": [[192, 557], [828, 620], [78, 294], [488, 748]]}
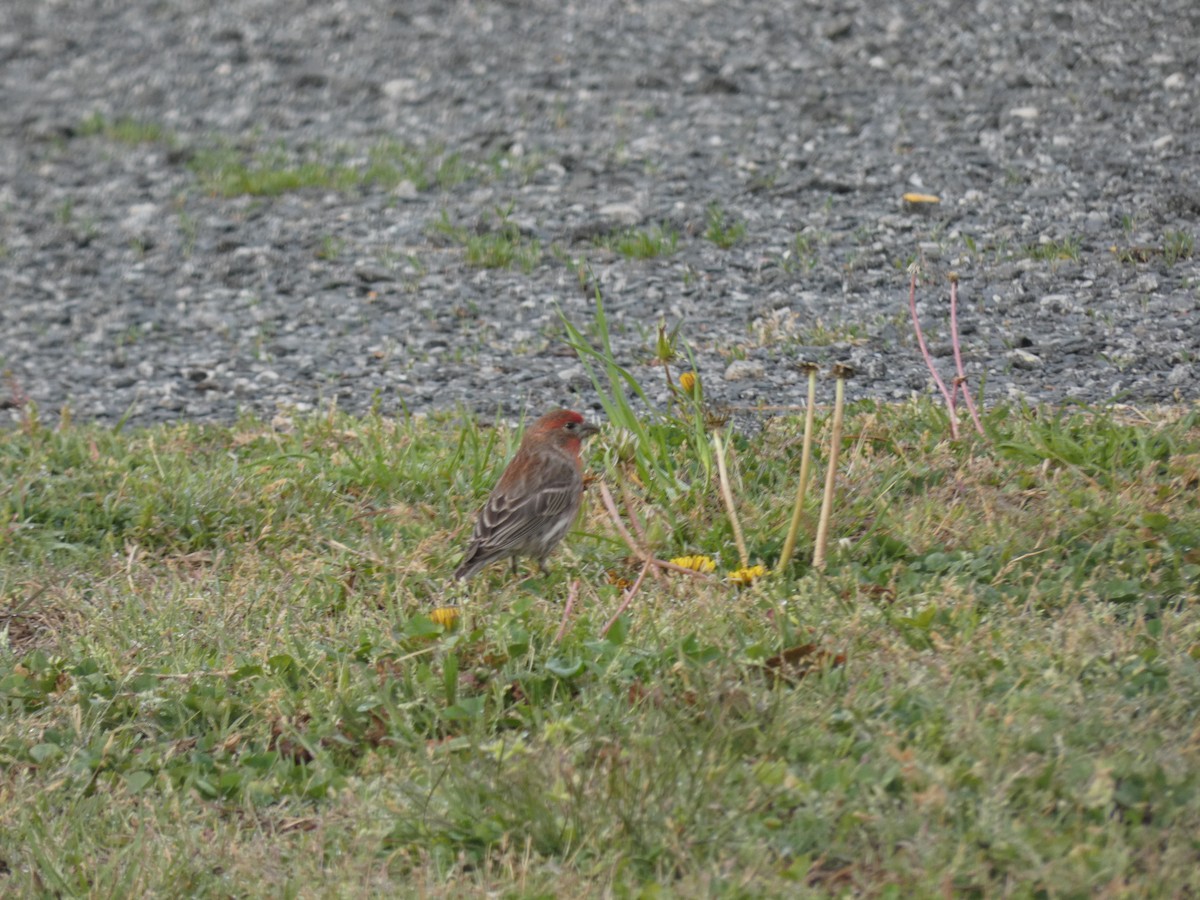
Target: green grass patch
{"points": [[244, 167], [497, 244], [124, 130], [1052, 250], [804, 253], [228, 171], [1177, 245], [721, 230], [219, 673], [640, 243]]}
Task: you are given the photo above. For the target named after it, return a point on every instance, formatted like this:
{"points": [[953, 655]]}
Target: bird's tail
{"points": [[472, 563]]}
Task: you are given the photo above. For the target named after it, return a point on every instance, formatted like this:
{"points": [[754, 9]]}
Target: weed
{"points": [[331, 248], [642, 244], [124, 130], [1178, 245], [803, 255], [721, 232], [1048, 250]]}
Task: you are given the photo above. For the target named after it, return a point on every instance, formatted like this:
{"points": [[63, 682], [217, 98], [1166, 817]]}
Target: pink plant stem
{"points": [[629, 595], [971, 407], [572, 593], [615, 516], [635, 549], [912, 306], [961, 380], [636, 523]]}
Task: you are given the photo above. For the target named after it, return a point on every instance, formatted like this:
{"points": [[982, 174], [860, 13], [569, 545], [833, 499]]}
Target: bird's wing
{"points": [[510, 515]]}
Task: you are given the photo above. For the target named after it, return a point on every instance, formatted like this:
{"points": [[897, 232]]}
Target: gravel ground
{"points": [[133, 285]]}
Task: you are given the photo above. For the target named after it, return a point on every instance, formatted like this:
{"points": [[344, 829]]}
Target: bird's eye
{"points": [[570, 426]]}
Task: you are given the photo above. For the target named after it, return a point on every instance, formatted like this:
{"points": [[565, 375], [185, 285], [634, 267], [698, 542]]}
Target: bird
{"points": [[536, 499]]}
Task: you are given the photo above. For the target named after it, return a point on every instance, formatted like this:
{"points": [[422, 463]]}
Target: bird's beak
{"points": [[587, 429]]}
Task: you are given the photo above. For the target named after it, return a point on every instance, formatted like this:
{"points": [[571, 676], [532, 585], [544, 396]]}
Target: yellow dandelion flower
{"points": [[688, 383], [446, 616], [748, 575], [695, 563]]}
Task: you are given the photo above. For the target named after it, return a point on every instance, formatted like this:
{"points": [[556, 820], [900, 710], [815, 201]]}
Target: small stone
{"points": [[621, 213], [1180, 374], [573, 376], [138, 218], [1023, 359], [403, 89], [406, 190], [371, 273], [744, 369]]}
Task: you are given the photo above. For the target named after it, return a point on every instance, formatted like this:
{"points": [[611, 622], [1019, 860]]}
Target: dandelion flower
{"points": [[748, 575], [695, 563], [446, 616]]}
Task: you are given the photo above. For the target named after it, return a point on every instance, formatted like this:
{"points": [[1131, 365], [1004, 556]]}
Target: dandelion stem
{"points": [[789, 545], [727, 496], [840, 372]]}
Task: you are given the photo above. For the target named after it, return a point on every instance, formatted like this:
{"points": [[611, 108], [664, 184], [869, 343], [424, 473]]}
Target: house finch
{"points": [[537, 497]]}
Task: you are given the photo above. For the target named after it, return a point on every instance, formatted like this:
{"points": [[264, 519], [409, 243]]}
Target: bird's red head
{"points": [[564, 426]]}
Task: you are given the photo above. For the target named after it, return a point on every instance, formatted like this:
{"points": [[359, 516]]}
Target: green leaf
{"points": [[279, 664], [138, 781], [618, 632], [43, 753], [1156, 521], [771, 773], [421, 626], [564, 668]]}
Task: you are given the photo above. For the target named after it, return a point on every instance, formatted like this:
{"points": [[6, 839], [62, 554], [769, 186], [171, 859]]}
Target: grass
{"points": [[218, 673], [498, 245], [639, 243], [226, 170], [803, 255], [124, 130], [1177, 246], [267, 172], [720, 230], [1049, 250]]}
